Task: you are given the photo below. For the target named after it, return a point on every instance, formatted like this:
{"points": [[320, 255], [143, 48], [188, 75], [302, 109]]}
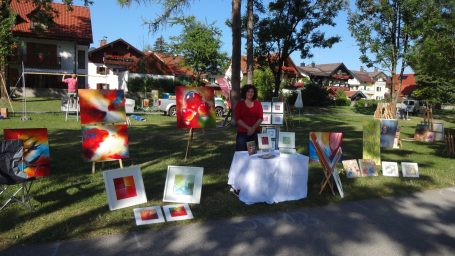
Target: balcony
{"points": [[118, 60]]}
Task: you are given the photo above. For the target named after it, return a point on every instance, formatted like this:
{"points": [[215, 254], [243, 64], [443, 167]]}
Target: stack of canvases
{"points": [[104, 132]]}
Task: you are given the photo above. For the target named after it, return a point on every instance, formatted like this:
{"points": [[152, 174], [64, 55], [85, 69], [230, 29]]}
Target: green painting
{"points": [[371, 141]]}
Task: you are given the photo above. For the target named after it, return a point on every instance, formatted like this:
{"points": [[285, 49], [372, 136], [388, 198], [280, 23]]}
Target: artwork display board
{"points": [[183, 184], [148, 215], [104, 142], [371, 141], [195, 107], [36, 157], [410, 169], [330, 142], [388, 132], [175, 212], [124, 187], [368, 167], [102, 106], [352, 168], [390, 169]]}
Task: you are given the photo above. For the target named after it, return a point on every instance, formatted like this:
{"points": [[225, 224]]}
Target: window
{"points": [[102, 86], [101, 70], [378, 89], [378, 97], [42, 56], [81, 59]]}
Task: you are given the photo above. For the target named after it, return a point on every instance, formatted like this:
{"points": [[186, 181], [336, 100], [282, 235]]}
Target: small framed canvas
{"points": [[266, 118], [337, 179], [271, 132], [410, 169], [266, 107], [273, 144], [277, 119], [278, 107], [183, 184], [352, 168], [286, 140], [368, 167], [390, 169], [264, 141], [177, 212], [124, 187], [251, 147], [148, 215]]}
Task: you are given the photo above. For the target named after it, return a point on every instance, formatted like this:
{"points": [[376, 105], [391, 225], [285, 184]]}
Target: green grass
{"points": [[32, 105], [71, 203]]}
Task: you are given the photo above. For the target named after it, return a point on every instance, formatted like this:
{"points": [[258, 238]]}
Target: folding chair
{"points": [[328, 166], [12, 181]]}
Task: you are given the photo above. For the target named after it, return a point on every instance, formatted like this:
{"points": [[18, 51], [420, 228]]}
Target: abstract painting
{"points": [[124, 187], [330, 141], [195, 107], [277, 119], [368, 167], [37, 161], [264, 141], [175, 212], [351, 168], [388, 131], [390, 169], [371, 141], [286, 140], [266, 107], [148, 215], [410, 169], [424, 133], [278, 107], [266, 118], [102, 106], [104, 142], [183, 184]]}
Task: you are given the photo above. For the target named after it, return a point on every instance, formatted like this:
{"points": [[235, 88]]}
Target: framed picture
{"points": [[352, 168], [410, 169], [273, 144], [195, 107], [175, 212], [104, 142], [183, 184], [272, 132], [266, 107], [251, 147], [388, 132], [330, 142], [337, 179], [102, 106], [266, 118], [368, 167], [124, 187], [264, 141], [277, 119], [286, 140], [148, 215], [390, 169], [278, 107]]}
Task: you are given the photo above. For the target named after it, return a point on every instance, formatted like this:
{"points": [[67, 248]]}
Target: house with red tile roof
{"points": [[58, 46], [333, 74], [408, 84], [372, 84]]}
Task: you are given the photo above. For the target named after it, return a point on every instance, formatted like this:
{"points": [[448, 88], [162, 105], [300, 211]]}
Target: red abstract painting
{"points": [[37, 159], [104, 142], [195, 107], [149, 214], [125, 187], [178, 211], [102, 106]]}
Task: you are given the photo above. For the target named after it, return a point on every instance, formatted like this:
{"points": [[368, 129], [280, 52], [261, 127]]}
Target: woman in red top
{"points": [[248, 115]]}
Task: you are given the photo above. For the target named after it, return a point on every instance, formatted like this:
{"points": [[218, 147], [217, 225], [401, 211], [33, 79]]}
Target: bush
{"points": [[145, 85], [264, 81], [315, 95], [342, 102], [365, 106]]}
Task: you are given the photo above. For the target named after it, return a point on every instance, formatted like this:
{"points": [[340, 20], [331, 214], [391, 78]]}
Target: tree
{"points": [[433, 55], [249, 42], [383, 30], [292, 25], [263, 80], [8, 43], [161, 46]]}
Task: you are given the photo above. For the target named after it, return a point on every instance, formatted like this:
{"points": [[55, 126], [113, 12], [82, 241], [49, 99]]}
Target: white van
{"points": [[413, 106]]}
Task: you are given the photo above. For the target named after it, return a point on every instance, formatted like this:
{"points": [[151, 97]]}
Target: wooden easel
{"points": [[188, 145], [384, 111], [450, 144], [120, 162], [428, 117]]}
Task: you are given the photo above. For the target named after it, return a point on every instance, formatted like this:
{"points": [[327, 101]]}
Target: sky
{"points": [[113, 21]]}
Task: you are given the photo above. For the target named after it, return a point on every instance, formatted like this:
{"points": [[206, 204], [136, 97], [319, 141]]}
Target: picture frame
{"points": [[175, 212], [336, 177], [277, 119], [286, 140], [266, 118], [390, 169], [278, 107], [148, 215], [272, 132], [352, 168], [266, 107], [273, 144], [264, 141], [124, 187], [410, 170], [251, 147], [183, 184], [368, 167]]}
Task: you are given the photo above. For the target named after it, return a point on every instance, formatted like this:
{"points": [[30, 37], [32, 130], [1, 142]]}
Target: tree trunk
{"points": [[236, 51], [249, 43], [3, 90]]}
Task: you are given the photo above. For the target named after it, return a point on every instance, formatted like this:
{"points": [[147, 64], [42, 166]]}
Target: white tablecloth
{"points": [[274, 180]]}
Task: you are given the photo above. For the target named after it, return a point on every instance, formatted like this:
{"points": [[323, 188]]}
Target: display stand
{"points": [[428, 117], [120, 162], [384, 111], [188, 145], [72, 102]]}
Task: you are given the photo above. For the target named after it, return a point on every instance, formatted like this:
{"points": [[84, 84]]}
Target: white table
{"points": [[274, 180]]}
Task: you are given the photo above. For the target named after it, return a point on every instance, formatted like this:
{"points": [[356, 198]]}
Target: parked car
{"points": [[413, 106], [168, 106]]}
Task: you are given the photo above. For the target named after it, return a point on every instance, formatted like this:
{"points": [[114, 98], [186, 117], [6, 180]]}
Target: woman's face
{"points": [[250, 94]]}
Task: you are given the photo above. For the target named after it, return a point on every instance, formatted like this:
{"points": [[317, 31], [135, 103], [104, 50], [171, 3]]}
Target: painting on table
{"points": [[264, 141]]}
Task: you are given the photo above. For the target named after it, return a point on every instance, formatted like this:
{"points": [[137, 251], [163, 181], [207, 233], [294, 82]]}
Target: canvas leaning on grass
{"points": [[183, 184], [175, 212], [368, 167], [351, 168], [410, 169], [390, 169], [148, 215]]}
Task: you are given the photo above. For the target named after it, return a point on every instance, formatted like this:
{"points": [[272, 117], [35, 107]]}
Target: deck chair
{"points": [[328, 166], [12, 181]]}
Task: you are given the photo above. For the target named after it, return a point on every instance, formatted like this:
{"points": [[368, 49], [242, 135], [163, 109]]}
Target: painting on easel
{"points": [[330, 142], [195, 107], [102, 106], [104, 142]]}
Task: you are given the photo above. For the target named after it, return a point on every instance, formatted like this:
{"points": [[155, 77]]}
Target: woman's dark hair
{"points": [[247, 87]]}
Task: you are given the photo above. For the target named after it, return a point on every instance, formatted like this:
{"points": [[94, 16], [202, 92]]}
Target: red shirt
{"points": [[248, 115], [72, 84]]}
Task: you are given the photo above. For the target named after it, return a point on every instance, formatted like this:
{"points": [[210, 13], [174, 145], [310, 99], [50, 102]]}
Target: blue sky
{"points": [[113, 21]]}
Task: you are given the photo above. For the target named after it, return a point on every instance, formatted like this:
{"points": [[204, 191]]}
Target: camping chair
{"points": [[328, 166], [11, 180]]}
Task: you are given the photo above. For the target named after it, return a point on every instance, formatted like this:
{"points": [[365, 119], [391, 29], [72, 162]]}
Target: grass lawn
{"points": [[72, 203]]}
